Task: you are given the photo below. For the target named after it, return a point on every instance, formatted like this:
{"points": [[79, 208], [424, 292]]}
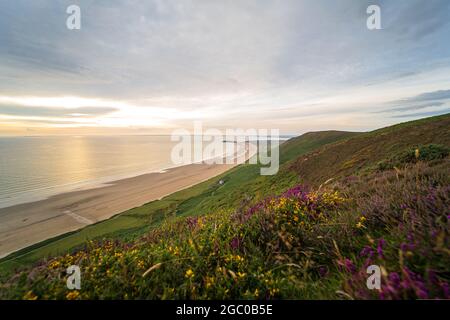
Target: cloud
{"points": [[428, 100], [418, 106], [422, 114], [414, 19], [430, 96], [41, 122], [18, 110], [217, 59], [141, 48]]}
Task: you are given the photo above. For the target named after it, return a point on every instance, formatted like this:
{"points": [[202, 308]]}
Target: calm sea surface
{"points": [[33, 168]]}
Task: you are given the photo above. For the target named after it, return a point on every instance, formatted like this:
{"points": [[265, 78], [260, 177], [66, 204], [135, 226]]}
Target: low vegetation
{"points": [[313, 240], [429, 152]]}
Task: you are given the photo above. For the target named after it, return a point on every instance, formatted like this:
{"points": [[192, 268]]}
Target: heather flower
{"points": [[323, 271], [235, 243], [192, 222], [422, 293], [445, 290], [381, 244], [367, 252], [410, 237], [348, 265], [407, 247], [394, 279]]}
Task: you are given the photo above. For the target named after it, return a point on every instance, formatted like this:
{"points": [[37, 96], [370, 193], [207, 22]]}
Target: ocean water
{"points": [[34, 168]]}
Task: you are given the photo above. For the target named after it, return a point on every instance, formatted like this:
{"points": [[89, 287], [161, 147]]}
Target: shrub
{"points": [[427, 152]]}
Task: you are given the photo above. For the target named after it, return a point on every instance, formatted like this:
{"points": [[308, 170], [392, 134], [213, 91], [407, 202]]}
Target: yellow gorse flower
{"points": [[174, 250], [209, 281], [30, 296], [274, 291], [360, 223], [72, 295], [189, 273]]}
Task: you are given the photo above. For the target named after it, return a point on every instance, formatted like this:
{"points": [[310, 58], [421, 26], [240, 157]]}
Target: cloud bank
{"points": [[159, 64]]}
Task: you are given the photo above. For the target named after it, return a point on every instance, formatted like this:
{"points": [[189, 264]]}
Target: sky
{"points": [[153, 66]]}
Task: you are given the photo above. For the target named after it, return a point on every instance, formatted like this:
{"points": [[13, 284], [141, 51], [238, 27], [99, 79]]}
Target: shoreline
{"points": [[33, 195], [29, 223], [80, 186]]}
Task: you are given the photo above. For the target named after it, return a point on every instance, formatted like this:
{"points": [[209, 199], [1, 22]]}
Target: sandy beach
{"points": [[26, 224]]}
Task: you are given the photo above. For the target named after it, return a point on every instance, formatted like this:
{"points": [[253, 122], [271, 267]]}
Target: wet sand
{"points": [[26, 224]]}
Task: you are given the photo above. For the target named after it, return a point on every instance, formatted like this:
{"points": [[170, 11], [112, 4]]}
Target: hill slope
{"points": [[364, 152], [387, 207]]}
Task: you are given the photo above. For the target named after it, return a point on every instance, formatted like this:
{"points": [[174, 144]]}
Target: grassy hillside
{"points": [[387, 204], [241, 183], [365, 152]]}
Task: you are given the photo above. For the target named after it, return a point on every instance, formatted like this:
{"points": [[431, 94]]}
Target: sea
{"points": [[35, 168]]}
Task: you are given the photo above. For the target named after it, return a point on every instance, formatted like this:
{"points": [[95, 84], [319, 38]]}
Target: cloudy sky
{"points": [[151, 66]]}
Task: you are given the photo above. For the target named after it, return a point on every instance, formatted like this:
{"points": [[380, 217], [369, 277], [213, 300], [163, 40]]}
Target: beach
{"points": [[29, 223]]}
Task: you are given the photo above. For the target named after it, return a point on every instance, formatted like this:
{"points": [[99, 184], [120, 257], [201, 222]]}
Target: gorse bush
{"points": [[430, 152], [303, 243], [427, 152]]}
